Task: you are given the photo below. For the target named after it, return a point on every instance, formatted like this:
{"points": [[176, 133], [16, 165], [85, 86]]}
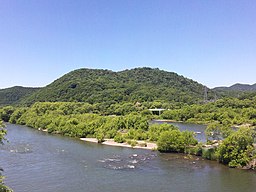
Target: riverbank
{"points": [[167, 120], [198, 123], [111, 142], [93, 168]]}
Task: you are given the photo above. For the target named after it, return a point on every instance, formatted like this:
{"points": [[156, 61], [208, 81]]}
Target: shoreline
{"points": [[167, 120], [111, 142]]}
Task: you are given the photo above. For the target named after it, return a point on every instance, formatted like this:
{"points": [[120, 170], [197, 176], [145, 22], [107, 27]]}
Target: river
{"points": [[198, 129], [35, 161]]}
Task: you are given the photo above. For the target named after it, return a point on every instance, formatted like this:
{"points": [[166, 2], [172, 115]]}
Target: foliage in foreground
{"points": [[2, 132], [3, 188], [237, 149]]}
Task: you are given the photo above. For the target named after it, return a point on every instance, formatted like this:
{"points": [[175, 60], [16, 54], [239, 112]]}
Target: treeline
{"points": [[230, 111], [81, 120], [77, 120]]}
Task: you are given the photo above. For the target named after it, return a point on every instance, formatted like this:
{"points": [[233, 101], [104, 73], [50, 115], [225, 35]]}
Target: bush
{"points": [[156, 129], [175, 141], [171, 141], [4, 188], [133, 143], [209, 153], [100, 137], [119, 138], [237, 149], [194, 150]]}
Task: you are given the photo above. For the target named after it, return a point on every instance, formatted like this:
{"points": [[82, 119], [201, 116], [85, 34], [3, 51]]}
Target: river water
{"points": [[35, 161], [199, 130]]}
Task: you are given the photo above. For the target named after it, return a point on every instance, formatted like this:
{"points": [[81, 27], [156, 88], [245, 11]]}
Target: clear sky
{"points": [[210, 41]]}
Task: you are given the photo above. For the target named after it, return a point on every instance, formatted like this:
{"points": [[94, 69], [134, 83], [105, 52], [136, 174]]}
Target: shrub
{"points": [[237, 149], [209, 153], [100, 137], [194, 150], [171, 141], [175, 141], [133, 143], [119, 138]]}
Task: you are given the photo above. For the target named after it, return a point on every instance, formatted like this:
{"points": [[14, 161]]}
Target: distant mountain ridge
{"points": [[14, 95], [238, 87]]}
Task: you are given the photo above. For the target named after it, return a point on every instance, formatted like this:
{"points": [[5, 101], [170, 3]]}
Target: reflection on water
{"points": [[37, 161]]}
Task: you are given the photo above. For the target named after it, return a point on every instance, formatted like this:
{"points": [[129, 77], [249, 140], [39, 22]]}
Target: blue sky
{"points": [[210, 41]]}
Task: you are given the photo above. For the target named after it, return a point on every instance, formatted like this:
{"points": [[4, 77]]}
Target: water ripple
{"points": [[126, 162]]}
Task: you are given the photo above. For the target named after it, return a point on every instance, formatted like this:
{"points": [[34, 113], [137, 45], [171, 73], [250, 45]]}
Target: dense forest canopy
{"points": [[105, 86], [14, 95]]}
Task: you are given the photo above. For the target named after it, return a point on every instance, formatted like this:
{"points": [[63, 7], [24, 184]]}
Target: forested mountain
{"points": [[135, 85], [238, 90], [14, 95], [238, 87]]}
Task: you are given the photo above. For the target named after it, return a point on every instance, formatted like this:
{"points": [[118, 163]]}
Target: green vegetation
{"points": [[105, 88], [119, 138], [14, 95], [77, 119], [217, 131], [238, 87], [237, 149], [152, 87], [3, 188], [2, 132], [175, 141], [227, 111], [105, 104]]}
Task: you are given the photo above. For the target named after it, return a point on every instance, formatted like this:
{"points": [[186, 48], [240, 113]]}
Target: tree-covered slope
{"points": [[238, 87], [237, 90], [140, 84], [14, 95]]}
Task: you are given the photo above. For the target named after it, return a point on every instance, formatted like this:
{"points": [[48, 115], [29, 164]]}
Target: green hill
{"points": [[238, 87], [14, 95], [135, 85], [237, 90]]}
